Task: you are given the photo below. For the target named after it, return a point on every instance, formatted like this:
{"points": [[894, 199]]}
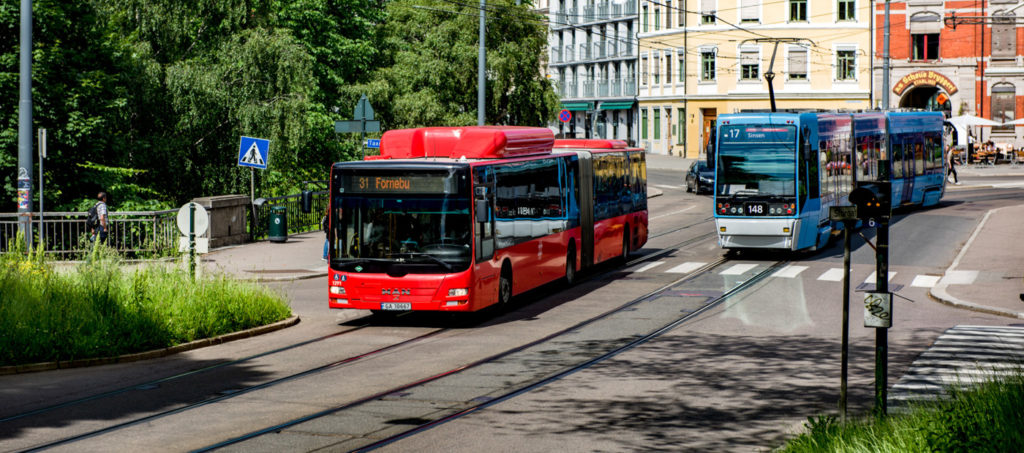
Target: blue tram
{"points": [[777, 174]]}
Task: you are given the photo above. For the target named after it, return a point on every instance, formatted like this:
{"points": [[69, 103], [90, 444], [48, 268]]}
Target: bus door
{"points": [[586, 182], [485, 269]]}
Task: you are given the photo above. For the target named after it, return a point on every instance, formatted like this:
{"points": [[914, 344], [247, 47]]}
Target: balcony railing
{"points": [[629, 87], [599, 49], [588, 89], [556, 54], [585, 51], [602, 88], [568, 90]]}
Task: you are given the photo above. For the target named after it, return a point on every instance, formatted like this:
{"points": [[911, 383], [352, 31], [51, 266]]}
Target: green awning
{"points": [[619, 105], [578, 106]]}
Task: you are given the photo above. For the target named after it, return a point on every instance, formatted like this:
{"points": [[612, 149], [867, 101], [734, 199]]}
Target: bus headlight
{"points": [[338, 290], [457, 292]]}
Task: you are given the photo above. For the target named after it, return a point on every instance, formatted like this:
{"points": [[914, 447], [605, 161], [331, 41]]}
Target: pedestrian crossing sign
{"points": [[254, 152]]}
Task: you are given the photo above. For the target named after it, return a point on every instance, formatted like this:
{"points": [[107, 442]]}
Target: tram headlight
{"points": [[338, 290], [458, 292]]}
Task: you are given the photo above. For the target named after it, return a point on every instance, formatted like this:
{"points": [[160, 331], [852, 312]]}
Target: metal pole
{"points": [[846, 320], [42, 155], [481, 65], [885, 60], [252, 202], [25, 126], [882, 333], [192, 240]]}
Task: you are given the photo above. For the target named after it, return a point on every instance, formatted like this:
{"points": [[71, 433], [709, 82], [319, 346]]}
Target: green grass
{"points": [[100, 309], [988, 417]]}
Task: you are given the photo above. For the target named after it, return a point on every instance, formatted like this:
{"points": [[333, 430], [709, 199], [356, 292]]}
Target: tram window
{"points": [[812, 168], [897, 160], [919, 158]]}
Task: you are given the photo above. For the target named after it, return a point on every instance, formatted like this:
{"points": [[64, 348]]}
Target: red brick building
{"points": [[958, 56]]}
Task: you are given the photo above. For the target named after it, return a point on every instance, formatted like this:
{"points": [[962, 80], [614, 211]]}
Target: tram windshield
{"points": [[400, 223], [757, 160]]}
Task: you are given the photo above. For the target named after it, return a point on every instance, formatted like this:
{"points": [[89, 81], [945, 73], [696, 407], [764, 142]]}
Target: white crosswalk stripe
{"points": [[650, 266], [686, 268], [832, 275], [791, 271], [962, 355], [738, 269], [925, 281], [959, 277], [871, 278]]}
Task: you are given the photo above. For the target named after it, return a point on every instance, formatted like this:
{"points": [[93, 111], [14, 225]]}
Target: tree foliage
{"points": [[147, 99]]}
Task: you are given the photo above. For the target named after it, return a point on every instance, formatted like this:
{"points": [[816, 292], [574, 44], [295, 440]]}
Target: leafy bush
{"points": [[99, 309], [981, 418]]}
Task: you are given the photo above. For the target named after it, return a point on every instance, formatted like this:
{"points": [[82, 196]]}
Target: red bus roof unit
{"points": [[471, 142], [590, 144]]}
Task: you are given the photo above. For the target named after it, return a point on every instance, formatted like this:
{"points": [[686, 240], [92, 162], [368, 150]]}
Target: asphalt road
{"points": [[742, 376]]}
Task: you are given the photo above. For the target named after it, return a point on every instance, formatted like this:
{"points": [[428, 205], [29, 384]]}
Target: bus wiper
{"points": [[425, 255]]}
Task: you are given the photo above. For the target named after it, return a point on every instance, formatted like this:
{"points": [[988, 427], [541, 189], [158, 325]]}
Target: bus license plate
{"points": [[395, 306], [755, 208]]}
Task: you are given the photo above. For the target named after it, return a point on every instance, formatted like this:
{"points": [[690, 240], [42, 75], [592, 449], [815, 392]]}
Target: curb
{"points": [[156, 353], [940, 294]]}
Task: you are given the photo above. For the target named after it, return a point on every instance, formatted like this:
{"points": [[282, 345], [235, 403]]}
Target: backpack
{"points": [[93, 219]]}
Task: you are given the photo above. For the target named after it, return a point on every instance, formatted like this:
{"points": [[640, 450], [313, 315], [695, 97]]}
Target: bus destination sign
{"points": [[396, 184], [762, 134]]}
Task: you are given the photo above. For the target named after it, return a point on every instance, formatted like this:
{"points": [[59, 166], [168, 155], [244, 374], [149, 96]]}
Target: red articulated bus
{"points": [[460, 218]]}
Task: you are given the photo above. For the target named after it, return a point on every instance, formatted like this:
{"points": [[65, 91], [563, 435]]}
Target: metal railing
{"points": [[298, 221], [132, 233], [141, 233]]}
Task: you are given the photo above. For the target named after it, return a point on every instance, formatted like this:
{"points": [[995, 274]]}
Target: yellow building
{"points": [[702, 58]]}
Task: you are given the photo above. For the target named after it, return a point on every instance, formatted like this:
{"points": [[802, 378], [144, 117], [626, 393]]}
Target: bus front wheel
{"points": [[505, 285]]}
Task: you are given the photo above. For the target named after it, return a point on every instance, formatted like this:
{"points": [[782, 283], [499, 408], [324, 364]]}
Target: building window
{"points": [[847, 10], [657, 123], [748, 11], [644, 19], [798, 63], [750, 65], [668, 69], [846, 65], [643, 71], [668, 13], [643, 124], [707, 12], [681, 119], [656, 70], [1003, 106], [707, 65], [798, 10], [926, 46], [682, 66], [1004, 36], [657, 19]]}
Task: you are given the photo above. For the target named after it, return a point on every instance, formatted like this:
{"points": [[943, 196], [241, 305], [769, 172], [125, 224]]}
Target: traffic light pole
{"points": [[882, 333]]}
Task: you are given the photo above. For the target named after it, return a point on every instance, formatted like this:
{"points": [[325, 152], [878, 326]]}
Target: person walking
{"points": [[97, 219], [951, 158]]}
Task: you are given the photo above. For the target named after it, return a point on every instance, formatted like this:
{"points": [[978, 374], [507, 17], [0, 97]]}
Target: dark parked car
{"points": [[700, 177]]}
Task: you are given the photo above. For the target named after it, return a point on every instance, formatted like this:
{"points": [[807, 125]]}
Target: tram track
{"points": [[298, 375], [223, 396], [488, 399]]}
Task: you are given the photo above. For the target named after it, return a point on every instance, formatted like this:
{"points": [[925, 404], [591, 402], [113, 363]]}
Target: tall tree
{"points": [[429, 70]]}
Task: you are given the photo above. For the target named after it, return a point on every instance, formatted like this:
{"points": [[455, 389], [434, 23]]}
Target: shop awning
{"points": [[578, 106], [617, 105]]}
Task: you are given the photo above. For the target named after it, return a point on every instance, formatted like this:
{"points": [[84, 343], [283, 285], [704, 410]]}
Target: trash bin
{"points": [[278, 231]]}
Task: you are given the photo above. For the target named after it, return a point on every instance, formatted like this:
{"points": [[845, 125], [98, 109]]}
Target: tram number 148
{"points": [[755, 208]]}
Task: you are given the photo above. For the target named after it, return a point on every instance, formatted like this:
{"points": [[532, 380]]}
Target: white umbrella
{"points": [[1017, 122], [971, 120]]}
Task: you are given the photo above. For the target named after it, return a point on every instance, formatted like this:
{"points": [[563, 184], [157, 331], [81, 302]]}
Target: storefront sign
{"points": [[924, 78]]}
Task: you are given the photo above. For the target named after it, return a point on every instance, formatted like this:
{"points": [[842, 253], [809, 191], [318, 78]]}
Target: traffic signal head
{"points": [[872, 200]]}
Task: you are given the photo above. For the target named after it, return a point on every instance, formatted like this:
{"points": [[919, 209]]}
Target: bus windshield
{"points": [[383, 230], [757, 160]]}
